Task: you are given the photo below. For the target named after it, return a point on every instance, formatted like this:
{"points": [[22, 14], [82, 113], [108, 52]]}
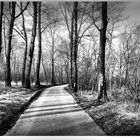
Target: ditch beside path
{"points": [[55, 112]]}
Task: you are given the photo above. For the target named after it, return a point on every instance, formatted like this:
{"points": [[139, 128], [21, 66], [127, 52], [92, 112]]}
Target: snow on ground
{"points": [[11, 101], [116, 117]]}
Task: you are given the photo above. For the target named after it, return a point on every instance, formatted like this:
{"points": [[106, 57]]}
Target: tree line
{"points": [[68, 42]]}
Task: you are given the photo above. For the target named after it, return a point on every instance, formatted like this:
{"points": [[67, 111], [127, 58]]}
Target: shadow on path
{"points": [[50, 113]]}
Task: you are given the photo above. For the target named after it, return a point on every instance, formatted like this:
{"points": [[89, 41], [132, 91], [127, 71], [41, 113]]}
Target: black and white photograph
{"points": [[70, 68]]}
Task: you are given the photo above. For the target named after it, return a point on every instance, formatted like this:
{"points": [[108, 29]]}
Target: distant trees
{"points": [[53, 42], [129, 58], [52, 35], [67, 10], [96, 8], [74, 44], [12, 7], [83, 25]]}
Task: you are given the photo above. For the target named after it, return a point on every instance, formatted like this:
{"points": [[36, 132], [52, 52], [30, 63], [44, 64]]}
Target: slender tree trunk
{"points": [[75, 46], [102, 78], [127, 66], [61, 73], [1, 15], [10, 33], [33, 70], [31, 50], [26, 46], [14, 74], [37, 82], [67, 71], [53, 80], [71, 52], [120, 82], [45, 73]]}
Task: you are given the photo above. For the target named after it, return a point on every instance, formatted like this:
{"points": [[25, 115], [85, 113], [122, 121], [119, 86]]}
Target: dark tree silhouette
{"points": [[75, 46], [37, 82], [71, 50], [31, 48], [12, 7], [10, 33], [26, 46], [1, 15], [101, 60], [52, 59]]}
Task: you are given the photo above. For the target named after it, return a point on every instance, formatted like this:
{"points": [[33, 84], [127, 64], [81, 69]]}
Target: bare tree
{"points": [[71, 50], [26, 46], [101, 60], [12, 6], [67, 10], [75, 46], [37, 82], [1, 15], [31, 48]]}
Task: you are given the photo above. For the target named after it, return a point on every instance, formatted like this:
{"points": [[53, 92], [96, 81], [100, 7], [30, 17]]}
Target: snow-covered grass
{"points": [[119, 116], [12, 83], [12, 102], [15, 84], [115, 119]]}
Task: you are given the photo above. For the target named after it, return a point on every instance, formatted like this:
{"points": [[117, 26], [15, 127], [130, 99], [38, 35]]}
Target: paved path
{"points": [[55, 112]]}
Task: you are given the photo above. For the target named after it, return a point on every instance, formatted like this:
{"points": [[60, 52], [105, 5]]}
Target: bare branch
{"points": [[22, 10], [48, 26], [19, 33]]}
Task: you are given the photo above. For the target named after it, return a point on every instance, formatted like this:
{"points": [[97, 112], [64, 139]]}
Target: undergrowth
{"points": [[119, 116]]}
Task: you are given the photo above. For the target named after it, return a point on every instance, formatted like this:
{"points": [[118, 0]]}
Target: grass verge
{"points": [[13, 102], [116, 117]]}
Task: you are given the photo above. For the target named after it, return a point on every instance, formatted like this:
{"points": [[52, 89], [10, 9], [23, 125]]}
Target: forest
{"points": [[94, 47]]}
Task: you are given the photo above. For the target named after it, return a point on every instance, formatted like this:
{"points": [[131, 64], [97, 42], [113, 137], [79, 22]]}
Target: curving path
{"points": [[55, 112]]}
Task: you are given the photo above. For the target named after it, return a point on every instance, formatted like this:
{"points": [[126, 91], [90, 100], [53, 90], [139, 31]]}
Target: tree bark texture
{"points": [[101, 76], [53, 78], [26, 46], [75, 46], [1, 15], [8, 53], [31, 48], [71, 51], [37, 82]]}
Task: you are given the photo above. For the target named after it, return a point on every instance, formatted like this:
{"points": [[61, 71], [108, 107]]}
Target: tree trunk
{"points": [[10, 33], [53, 80], [71, 52], [1, 15], [37, 82], [75, 47], [127, 66], [45, 73], [26, 46], [31, 50], [101, 76], [67, 72]]}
